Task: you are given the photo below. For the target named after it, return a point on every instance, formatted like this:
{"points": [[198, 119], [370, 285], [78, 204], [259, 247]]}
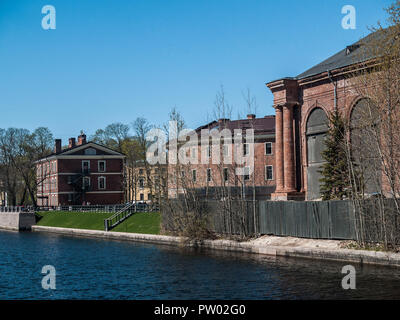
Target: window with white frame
{"points": [[226, 174], [141, 183], [194, 153], [85, 165], [246, 175], [102, 183], [269, 173], [246, 149], [225, 150], [268, 148], [54, 167], [102, 166], [209, 178], [209, 151], [85, 182]]}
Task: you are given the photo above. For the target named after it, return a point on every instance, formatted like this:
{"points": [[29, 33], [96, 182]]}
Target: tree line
{"points": [[21, 148]]}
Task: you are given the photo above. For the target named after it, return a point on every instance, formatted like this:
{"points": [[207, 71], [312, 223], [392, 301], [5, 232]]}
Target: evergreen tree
{"points": [[335, 178]]}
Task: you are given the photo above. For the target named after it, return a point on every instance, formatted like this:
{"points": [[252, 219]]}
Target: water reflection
{"points": [[99, 269]]}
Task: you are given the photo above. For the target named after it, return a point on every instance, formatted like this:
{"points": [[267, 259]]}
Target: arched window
{"points": [[317, 127], [364, 135]]}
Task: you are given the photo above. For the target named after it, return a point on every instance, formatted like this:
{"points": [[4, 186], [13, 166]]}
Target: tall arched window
{"points": [[317, 127], [364, 135]]}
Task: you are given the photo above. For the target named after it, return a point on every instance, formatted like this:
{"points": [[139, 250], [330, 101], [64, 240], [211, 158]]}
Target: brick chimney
{"points": [[251, 116], [57, 146], [81, 139], [71, 143]]}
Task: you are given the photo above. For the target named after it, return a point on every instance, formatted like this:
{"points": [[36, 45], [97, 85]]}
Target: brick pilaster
{"points": [[288, 149], [279, 149]]}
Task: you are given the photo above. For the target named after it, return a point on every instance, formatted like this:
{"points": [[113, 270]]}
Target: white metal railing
{"points": [[120, 216], [100, 208]]}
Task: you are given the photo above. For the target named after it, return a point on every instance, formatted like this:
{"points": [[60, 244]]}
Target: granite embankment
{"points": [[17, 220], [267, 245]]}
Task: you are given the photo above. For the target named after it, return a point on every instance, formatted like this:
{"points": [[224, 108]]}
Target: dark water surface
{"points": [[100, 269]]}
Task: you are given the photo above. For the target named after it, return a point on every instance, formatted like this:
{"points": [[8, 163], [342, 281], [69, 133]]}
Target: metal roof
{"points": [[352, 54], [265, 125]]}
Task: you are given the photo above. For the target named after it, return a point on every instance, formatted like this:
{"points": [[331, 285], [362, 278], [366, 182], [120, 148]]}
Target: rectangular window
{"points": [[141, 182], [149, 196], [268, 148], [225, 150], [86, 183], [269, 174], [69, 179], [194, 153], [102, 166], [70, 197], [102, 183], [226, 174], [209, 151], [246, 175], [85, 166], [246, 148], [194, 175], [208, 175], [141, 197]]}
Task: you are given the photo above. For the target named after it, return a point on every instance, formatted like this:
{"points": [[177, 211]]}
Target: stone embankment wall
{"points": [[266, 245], [17, 221]]}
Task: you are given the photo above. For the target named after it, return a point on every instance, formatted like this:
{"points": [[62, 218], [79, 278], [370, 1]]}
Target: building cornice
{"points": [[81, 157]]}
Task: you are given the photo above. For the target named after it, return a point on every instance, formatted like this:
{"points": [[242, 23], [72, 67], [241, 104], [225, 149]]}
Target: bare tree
{"points": [[374, 133], [20, 150]]}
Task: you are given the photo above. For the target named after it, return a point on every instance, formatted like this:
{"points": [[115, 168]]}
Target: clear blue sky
{"points": [[115, 60]]}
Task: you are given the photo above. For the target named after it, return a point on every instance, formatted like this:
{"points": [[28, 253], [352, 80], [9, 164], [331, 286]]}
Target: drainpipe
{"points": [[334, 90]]}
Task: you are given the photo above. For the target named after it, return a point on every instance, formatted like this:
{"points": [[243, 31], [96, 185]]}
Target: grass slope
{"points": [[141, 222]]}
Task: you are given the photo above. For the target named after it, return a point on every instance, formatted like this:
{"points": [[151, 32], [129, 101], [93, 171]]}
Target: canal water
{"points": [[100, 269]]}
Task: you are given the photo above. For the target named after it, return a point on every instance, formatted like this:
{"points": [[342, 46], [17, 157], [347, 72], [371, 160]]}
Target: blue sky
{"points": [[115, 60]]}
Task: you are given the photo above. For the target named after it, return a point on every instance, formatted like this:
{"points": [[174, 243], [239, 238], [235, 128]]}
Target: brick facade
{"points": [[85, 173], [212, 175], [326, 86]]}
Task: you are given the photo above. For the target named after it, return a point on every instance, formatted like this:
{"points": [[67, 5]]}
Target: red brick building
{"points": [[208, 177], [83, 173], [301, 104]]}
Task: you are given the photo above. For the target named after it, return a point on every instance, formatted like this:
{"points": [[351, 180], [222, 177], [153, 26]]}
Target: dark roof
{"points": [[78, 146], [352, 54], [261, 126]]}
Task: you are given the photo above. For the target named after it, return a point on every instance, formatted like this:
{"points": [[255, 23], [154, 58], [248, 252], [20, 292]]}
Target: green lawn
{"points": [[141, 222]]}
